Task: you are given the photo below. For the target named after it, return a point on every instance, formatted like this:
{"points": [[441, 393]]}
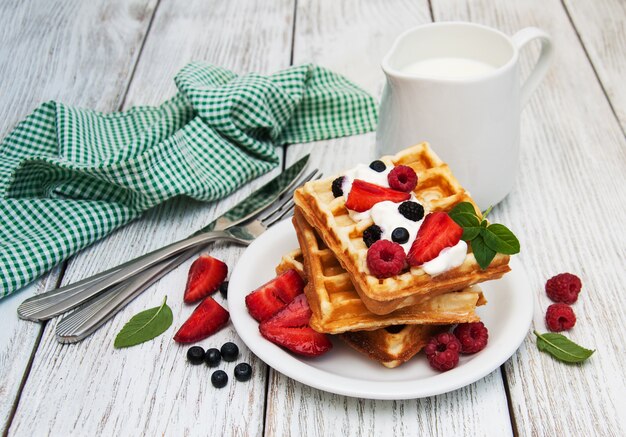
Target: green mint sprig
{"points": [[486, 238], [145, 326], [562, 348]]}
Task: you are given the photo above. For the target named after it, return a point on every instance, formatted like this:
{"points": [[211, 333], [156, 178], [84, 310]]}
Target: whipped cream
{"points": [[386, 216], [448, 258]]}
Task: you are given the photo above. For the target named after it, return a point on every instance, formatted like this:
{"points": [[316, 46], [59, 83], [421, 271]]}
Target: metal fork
{"points": [[51, 304], [88, 318]]}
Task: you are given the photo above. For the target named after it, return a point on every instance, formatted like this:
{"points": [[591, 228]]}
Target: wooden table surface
{"points": [[567, 209]]}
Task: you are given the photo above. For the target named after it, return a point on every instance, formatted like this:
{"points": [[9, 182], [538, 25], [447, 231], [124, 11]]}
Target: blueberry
{"points": [[212, 357], [230, 351], [224, 289], [337, 187], [400, 235], [195, 354], [378, 166], [371, 235], [243, 372], [219, 379]]}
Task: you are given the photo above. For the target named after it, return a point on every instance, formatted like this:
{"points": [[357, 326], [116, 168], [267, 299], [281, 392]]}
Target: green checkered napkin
{"points": [[70, 176]]}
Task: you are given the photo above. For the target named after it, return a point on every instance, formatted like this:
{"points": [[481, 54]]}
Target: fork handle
{"points": [[55, 302], [85, 320]]}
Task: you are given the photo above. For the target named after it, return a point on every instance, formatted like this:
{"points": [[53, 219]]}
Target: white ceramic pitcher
{"points": [[471, 122]]}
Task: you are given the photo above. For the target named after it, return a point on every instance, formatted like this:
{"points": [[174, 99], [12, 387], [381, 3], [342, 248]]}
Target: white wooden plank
{"points": [[567, 208], [351, 38], [600, 26], [77, 52], [150, 389]]}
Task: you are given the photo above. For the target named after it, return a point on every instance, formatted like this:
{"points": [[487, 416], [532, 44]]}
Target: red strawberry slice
{"points": [[274, 295], [208, 318], [290, 329], [205, 276], [436, 233], [364, 195]]}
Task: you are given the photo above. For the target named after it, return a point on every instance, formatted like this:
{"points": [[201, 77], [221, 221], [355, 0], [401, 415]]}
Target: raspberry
{"points": [[472, 336], [564, 288], [411, 210], [442, 351], [385, 259], [560, 317], [337, 187], [402, 178], [371, 235], [378, 166]]}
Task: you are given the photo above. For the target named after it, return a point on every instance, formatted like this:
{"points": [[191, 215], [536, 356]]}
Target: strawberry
{"points": [[437, 232], [206, 319], [274, 295], [205, 276], [290, 329], [364, 195]]}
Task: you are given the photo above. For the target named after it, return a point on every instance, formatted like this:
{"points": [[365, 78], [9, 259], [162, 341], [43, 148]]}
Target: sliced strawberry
{"points": [[290, 329], [206, 319], [274, 295], [364, 195], [436, 233], [205, 276]]}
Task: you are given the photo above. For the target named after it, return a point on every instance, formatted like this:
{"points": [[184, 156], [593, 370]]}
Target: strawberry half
{"points": [[205, 276], [436, 233], [364, 195], [208, 318], [274, 295], [290, 329]]}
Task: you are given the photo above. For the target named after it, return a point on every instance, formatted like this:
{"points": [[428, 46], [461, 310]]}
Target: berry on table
{"points": [[206, 319], [243, 372], [212, 357], [337, 187], [411, 210], [195, 354], [371, 235], [442, 351], [385, 259], [402, 178], [204, 278], [378, 166], [224, 289], [219, 379], [472, 336], [400, 235], [560, 317], [229, 351], [564, 288]]}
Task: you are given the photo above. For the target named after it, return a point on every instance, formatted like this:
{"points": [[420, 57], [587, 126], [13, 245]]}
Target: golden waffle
{"points": [[337, 307], [437, 190], [393, 345]]}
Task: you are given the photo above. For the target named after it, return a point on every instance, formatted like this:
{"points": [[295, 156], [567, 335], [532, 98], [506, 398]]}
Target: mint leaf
{"points": [[501, 239], [469, 223], [486, 213], [145, 326], [462, 207], [562, 348], [483, 253]]}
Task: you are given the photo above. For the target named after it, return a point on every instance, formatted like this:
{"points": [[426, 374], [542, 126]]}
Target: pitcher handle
{"points": [[520, 39]]}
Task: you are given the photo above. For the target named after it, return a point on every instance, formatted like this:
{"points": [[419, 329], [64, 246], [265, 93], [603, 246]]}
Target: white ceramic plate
{"points": [[345, 371]]}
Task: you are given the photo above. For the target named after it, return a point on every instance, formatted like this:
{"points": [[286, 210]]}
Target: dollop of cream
{"points": [[448, 258], [386, 216]]}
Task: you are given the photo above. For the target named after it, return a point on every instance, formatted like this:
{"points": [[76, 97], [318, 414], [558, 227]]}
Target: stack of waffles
{"points": [[389, 319]]}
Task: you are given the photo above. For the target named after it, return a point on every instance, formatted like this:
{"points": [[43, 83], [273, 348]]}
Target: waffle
{"points": [[337, 307], [390, 346], [437, 190]]}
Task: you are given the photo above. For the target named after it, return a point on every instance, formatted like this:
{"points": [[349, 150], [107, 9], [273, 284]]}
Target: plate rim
{"points": [[298, 369]]}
